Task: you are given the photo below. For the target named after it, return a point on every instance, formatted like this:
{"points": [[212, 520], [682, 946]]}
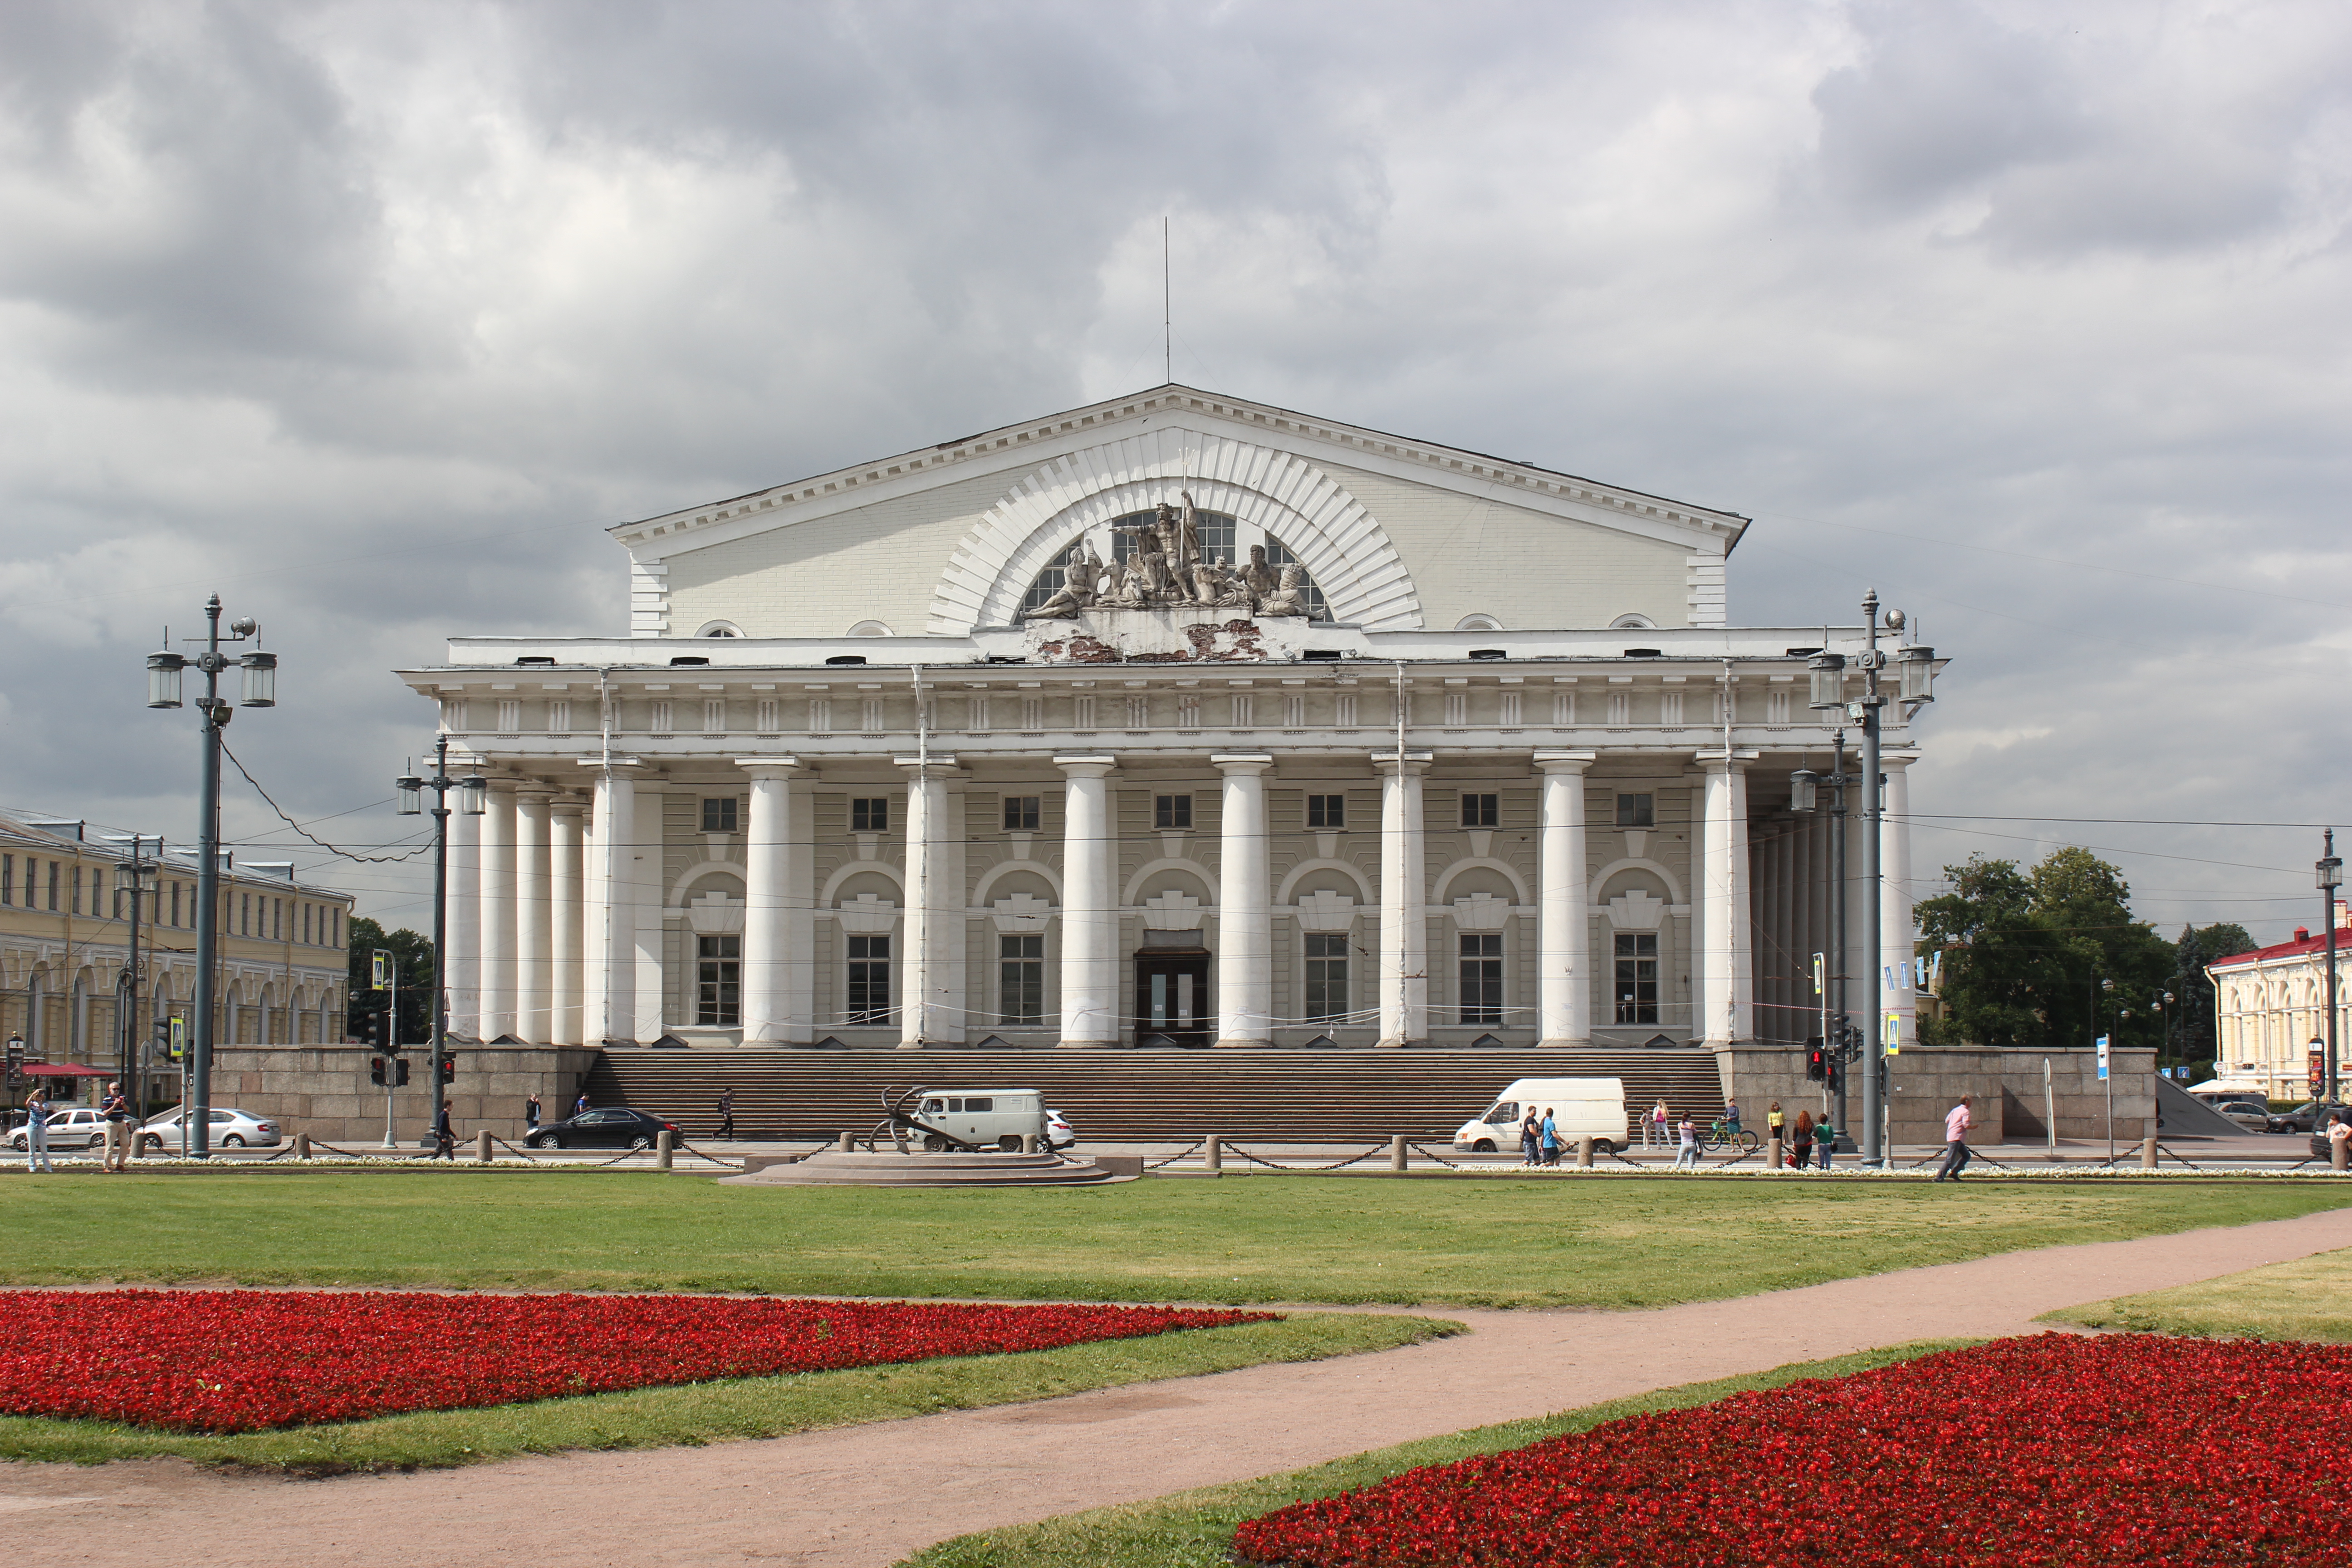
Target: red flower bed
{"points": [[244, 1361], [2129, 1448]]}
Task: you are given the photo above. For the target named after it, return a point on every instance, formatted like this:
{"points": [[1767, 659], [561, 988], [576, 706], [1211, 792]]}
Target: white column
{"points": [[930, 1013], [1244, 906], [564, 918], [1724, 942], [649, 866], [1895, 906], [497, 903], [1743, 911], [770, 955], [1090, 988], [534, 917], [1404, 892], [1563, 923], [609, 910], [462, 915]]}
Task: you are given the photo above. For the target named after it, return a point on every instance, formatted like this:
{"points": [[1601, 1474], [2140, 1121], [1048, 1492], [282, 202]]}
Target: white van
{"points": [[1590, 1108], [981, 1116]]}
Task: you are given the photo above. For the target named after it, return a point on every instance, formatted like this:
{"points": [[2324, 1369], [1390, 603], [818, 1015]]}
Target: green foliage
{"points": [[2190, 1038], [412, 957], [728, 1410], [2046, 959], [1500, 1243]]}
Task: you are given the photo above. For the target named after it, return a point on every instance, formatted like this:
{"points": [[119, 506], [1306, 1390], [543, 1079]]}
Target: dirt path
{"points": [[864, 1496]]}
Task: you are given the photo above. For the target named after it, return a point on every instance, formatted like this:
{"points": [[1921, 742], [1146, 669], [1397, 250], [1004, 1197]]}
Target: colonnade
{"points": [[549, 894]]}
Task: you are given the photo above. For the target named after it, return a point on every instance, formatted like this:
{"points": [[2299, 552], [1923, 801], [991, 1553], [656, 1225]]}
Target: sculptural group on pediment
{"points": [[1169, 570]]}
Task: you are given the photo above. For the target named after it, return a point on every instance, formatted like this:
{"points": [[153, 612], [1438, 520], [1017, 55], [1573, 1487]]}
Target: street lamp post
{"points": [[1804, 785], [471, 792], [135, 875], [2330, 876], [164, 691]]}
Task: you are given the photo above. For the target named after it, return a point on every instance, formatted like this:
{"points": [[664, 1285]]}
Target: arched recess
{"points": [[1601, 879], [677, 889], [1445, 879], [1004, 869], [833, 884], [1150, 868], [1342, 545], [1306, 868]]}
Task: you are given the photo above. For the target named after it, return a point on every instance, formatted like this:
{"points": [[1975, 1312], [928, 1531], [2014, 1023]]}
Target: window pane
{"points": [[1482, 977], [1479, 810], [719, 816], [1020, 814], [1326, 978], [1171, 811], [1635, 811], [871, 815], [1326, 811], [1021, 979], [869, 979], [1636, 977]]}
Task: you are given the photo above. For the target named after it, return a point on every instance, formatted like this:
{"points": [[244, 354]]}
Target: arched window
{"points": [[1478, 623], [1051, 579], [1277, 555], [871, 629], [719, 629], [1633, 621]]}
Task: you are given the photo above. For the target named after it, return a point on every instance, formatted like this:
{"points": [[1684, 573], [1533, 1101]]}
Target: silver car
{"points": [[2251, 1115], [227, 1128], [70, 1126]]}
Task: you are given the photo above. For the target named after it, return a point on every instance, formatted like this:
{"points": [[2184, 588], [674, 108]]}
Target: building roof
{"points": [[90, 841], [2303, 943]]}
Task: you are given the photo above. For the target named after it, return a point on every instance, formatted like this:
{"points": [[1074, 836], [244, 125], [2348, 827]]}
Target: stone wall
{"points": [[1927, 1080], [323, 1090]]}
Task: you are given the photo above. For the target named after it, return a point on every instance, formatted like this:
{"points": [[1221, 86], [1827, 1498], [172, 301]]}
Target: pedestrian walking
{"points": [[1530, 1131], [1955, 1142], [580, 1105], [445, 1138], [1656, 1127], [115, 1106], [531, 1112], [36, 1133], [1688, 1154], [727, 1113], [1731, 1117], [1803, 1152], [1550, 1139], [1825, 1139]]}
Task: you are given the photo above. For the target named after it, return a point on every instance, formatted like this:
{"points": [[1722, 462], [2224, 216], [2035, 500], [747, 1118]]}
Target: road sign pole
{"points": [[2107, 1078]]}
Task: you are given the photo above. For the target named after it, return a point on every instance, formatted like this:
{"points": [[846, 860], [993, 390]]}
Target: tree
{"points": [[413, 958], [2192, 1037], [2026, 953]]}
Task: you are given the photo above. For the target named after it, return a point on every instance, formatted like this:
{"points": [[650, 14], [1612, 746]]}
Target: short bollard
{"points": [[482, 1148], [1213, 1153], [1396, 1153], [664, 1141], [301, 1145], [2339, 1153], [1028, 1143], [848, 1143], [1584, 1153], [2147, 1152], [1772, 1153]]}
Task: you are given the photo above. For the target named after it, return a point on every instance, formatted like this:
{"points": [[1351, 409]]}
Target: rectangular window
{"points": [[1021, 979], [718, 814], [53, 887], [1482, 976], [870, 815], [8, 879], [869, 979], [75, 900], [277, 920], [176, 903], [718, 981], [1637, 977], [1326, 811], [1637, 811], [1021, 814], [336, 939], [1171, 811], [306, 925], [1326, 978], [1480, 810]]}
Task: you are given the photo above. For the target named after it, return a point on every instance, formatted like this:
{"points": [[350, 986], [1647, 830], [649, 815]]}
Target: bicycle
{"points": [[1719, 1135]]}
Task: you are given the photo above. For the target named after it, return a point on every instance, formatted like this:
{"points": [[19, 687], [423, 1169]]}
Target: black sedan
{"points": [[613, 1127]]}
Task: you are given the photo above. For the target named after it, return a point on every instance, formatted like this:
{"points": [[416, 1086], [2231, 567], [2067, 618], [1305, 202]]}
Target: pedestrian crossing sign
{"points": [[1891, 1033]]}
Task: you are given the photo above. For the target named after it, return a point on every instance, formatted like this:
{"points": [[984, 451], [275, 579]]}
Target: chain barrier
{"points": [[1425, 1153], [1334, 1165], [1180, 1154], [722, 1164], [2169, 1155]]}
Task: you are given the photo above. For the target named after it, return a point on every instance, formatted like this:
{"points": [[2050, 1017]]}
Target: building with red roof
{"points": [[2267, 1011]]}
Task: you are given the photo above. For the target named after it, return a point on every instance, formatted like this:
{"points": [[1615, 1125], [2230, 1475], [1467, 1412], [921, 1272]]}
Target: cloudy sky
{"points": [[371, 317]]}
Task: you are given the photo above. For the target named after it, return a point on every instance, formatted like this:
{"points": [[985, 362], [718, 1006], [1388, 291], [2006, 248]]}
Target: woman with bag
{"points": [[1803, 1152]]}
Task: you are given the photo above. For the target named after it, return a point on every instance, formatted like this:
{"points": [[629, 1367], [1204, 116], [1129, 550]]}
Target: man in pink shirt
{"points": [[1955, 1141]]}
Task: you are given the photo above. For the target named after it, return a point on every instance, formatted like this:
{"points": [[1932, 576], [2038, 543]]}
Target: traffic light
{"points": [[449, 1068], [375, 1071], [1837, 1077], [1817, 1063], [400, 1081]]}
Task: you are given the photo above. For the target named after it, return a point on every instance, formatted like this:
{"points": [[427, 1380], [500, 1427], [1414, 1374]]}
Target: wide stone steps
{"points": [[1352, 1097]]}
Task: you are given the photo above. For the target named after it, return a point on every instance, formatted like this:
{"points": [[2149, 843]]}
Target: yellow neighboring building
{"points": [[65, 936]]}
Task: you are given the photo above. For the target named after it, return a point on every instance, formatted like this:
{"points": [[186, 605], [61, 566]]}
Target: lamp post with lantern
{"points": [[163, 669], [1915, 676], [471, 792], [135, 876], [2329, 874]]}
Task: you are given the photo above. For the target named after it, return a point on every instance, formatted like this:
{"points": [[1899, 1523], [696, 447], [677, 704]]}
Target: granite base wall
{"points": [[1926, 1081], [323, 1090]]}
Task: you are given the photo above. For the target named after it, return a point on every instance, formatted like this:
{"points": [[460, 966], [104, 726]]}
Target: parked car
{"points": [[612, 1127], [2250, 1114], [2300, 1120], [70, 1126], [226, 1128], [1058, 1133]]}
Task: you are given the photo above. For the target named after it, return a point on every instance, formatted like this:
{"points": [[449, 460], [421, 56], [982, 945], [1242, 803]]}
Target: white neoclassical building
{"points": [[1172, 720], [2269, 1005]]}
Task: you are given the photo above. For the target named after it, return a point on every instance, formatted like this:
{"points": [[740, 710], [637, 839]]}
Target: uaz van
{"points": [[981, 1116], [1590, 1108]]}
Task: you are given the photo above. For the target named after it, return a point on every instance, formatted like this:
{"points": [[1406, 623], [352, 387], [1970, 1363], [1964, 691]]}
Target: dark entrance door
{"points": [[1171, 997]]}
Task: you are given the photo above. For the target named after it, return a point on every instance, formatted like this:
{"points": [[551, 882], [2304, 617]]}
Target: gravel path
{"points": [[864, 1496]]}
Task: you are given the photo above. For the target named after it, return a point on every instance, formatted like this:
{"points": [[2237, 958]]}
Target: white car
{"points": [[229, 1127], [1058, 1133], [70, 1126]]}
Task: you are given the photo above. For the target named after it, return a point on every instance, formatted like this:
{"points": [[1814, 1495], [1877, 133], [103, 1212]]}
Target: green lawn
{"points": [[1195, 1529], [1629, 1243], [740, 1407], [2309, 1298]]}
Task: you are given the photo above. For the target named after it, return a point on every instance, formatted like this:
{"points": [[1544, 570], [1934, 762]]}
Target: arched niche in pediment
{"points": [[1270, 494]]}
